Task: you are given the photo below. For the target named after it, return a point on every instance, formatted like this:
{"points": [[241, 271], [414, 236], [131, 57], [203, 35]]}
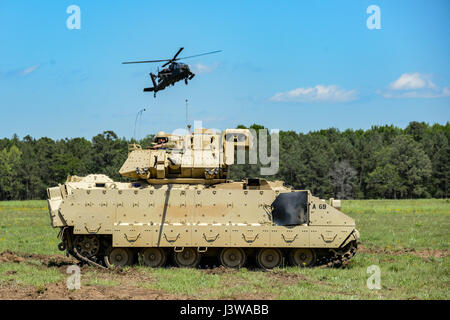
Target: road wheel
{"points": [[232, 257], [154, 257], [269, 258], [302, 257], [119, 257], [188, 258], [87, 245]]}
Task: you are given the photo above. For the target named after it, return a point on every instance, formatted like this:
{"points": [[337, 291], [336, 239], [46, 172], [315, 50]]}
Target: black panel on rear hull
{"points": [[290, 209]]}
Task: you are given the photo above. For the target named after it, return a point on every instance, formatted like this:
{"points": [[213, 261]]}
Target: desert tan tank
{"points": [[181, 205]]}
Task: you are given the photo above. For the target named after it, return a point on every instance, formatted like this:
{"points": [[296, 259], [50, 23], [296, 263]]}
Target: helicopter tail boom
{"points": [[154, 84], [153, 79]]}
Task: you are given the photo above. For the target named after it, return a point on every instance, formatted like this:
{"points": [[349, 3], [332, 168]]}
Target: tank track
{"points": [[331, 258], [341, 257], [66, 237]]}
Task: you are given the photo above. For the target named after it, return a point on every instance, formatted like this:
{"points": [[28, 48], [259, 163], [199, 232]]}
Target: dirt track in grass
{"points": [[59, 290], [125, 288], [423, 253], [127, 283]]}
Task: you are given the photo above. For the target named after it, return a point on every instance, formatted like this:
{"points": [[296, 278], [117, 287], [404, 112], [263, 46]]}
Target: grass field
{"points": [[407, 239]]}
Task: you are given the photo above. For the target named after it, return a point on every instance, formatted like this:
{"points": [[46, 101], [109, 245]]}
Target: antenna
{"points": [[187, 123], [135, 122]]}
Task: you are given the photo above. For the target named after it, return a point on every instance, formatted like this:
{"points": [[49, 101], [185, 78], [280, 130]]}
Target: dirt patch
{"points": [[8, 256], [423, 253], [47, 260], [430, 253], [11, 272], [55, 291], [288, 278], [59, 291], [219, 270]]}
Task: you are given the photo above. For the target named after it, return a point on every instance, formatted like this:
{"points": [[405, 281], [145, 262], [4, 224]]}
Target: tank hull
{"points": [[207, 219]]}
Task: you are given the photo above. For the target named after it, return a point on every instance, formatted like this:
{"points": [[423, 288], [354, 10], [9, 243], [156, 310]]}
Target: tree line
{"points": [[381, 162]]}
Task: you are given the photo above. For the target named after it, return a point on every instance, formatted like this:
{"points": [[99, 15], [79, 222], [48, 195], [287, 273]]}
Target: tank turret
{"points": [[203, 156]]}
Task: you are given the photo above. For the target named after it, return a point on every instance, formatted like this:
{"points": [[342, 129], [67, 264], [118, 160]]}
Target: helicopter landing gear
{"points": [[186, 81]]}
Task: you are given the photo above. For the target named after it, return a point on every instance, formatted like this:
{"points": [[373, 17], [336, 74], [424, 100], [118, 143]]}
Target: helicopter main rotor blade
{"points": [[169, 61], [174, 58], [198, 55], [147, 61], [176, 54]]}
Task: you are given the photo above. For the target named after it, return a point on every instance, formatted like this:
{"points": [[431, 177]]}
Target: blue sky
{"points": [[289, 65]]}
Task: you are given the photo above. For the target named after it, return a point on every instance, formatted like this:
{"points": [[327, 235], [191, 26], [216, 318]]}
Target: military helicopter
{"points": [[175, 72]]}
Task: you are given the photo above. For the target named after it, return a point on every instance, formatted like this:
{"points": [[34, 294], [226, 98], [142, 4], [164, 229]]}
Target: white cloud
{"points": [[319, 93], [29, 70], [203, 68], [414, 85], [445, 92], [411, 81], [19, 72]]}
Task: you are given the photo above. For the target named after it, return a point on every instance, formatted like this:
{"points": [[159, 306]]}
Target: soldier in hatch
{"points": [[161, 141]]}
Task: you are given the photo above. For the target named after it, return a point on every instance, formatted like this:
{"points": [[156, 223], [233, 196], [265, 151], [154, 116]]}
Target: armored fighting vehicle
{"points": [[180, 204]]}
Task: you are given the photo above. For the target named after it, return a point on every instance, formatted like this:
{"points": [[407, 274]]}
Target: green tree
{"points": [[10, 186], [389, 161], [316, 158], [108, 154], [385, 182], [411, 165]]}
